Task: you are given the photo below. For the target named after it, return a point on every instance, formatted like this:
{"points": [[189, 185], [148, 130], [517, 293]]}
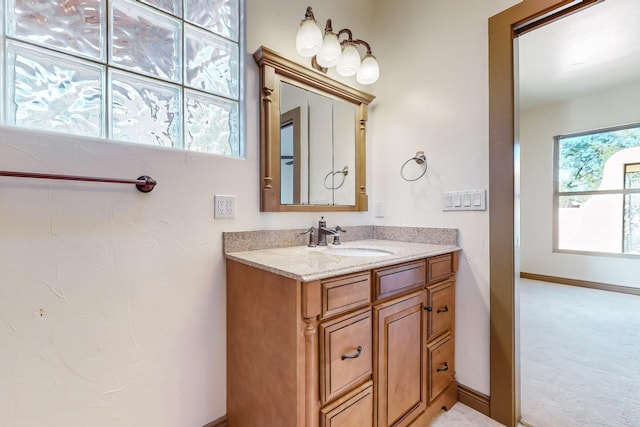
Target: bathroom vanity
{"points": [[317, 337]]}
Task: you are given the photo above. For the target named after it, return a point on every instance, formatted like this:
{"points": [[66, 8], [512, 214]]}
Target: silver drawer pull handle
{"points": [[446, 368], [445, 309], [352, 356]]}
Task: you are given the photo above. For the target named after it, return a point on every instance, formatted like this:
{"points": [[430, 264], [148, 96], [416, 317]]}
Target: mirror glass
{"points": [[312, 139], [317, 148]]}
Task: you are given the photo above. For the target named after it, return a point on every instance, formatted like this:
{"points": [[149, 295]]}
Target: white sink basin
{"points": [[361, 252]]}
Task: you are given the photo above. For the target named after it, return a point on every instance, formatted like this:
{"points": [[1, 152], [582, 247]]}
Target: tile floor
{"points": [[462, 416]]}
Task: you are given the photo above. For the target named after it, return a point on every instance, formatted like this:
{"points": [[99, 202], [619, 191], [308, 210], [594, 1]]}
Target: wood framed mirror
{"points": [[312, 139]]}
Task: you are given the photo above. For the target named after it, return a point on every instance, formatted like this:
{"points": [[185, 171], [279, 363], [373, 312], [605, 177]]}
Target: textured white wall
{"points": [[538, 126], [112, 302], [433, 97]]}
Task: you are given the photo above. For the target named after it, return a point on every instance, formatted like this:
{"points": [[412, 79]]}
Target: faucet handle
{"points": [[336, 234], [312, 241]]}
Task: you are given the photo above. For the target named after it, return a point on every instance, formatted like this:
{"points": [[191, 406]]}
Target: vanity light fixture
{"points": [[329, 51]]}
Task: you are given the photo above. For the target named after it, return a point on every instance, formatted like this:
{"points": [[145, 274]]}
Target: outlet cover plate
{"points": [[224, 207]]}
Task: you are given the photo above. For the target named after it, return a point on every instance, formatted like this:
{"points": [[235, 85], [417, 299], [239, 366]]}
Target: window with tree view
{"points": [[158, 72], [597, 194]]}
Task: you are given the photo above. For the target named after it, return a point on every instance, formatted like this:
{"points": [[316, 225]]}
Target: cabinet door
{"points": [[401, 359]]}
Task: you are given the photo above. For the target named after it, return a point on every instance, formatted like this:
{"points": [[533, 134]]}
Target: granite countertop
{"points": [[306, 264]]}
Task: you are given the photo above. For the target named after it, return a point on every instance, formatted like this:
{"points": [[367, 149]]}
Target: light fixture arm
{"points": [[363, 43], [349, 39], [348, 33], [327, 27], [309, 13], [316, 66]]}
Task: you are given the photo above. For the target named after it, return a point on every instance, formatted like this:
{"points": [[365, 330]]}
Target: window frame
{"points": [[557, 194]]}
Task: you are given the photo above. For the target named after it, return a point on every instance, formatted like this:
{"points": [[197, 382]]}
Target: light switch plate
{"points": [[467, 200]]}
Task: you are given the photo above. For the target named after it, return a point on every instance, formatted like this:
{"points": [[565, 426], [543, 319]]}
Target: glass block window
{"points": [[157, 72]]}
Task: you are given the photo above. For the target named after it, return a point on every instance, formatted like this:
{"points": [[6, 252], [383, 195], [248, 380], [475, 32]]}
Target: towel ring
{"points": [[420, 159], [344, 172]]}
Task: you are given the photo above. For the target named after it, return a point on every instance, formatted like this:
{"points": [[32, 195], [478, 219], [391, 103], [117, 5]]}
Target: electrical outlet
{"points": [[224, 206]]}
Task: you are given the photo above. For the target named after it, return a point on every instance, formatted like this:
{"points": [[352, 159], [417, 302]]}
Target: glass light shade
{"points": [[369, 70], [330, 51], [349, 61], [309, 38]]}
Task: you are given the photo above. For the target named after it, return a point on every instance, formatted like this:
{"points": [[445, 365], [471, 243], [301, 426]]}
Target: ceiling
{"points": [[593, 50]]}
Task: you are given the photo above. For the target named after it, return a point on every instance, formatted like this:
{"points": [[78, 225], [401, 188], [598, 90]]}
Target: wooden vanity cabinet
{"points": [[373, 348]]}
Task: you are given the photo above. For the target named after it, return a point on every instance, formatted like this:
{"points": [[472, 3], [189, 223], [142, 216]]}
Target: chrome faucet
{"points": [[323, 232]]}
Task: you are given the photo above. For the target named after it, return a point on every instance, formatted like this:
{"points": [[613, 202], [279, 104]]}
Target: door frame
{"points": [[504, 230]]}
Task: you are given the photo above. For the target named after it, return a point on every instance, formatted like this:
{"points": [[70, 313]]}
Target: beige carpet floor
{"points": [[580, 360], [580, 356]]}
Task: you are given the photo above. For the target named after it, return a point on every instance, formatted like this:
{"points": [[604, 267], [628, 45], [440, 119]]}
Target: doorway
{"points": [[504, 32], [567, 71], [503, 197]]}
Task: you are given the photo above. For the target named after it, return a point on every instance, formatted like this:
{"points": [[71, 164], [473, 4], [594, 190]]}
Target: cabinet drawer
{"points": [[345, 292], [440, 267], [440, 306], [397, 279], [345, 353], [441, 369], [354, 410]]}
